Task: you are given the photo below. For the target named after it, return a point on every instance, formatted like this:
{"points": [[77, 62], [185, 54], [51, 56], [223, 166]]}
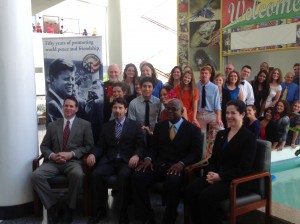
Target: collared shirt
{"points": [[71, 122], [212, 97], [176, 125], [248, 94], [121, 122], [137, 109], [292, 93]]}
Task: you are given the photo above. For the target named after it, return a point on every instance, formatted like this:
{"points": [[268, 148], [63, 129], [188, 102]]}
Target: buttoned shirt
{"points": [[248, 95], [212, 97], [292, 92]]}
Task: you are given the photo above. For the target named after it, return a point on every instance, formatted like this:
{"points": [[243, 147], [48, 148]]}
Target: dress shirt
{"points": [[137, 111], [292, 93], [248, 94], [71, 122], [212, 97], [176, 125]]}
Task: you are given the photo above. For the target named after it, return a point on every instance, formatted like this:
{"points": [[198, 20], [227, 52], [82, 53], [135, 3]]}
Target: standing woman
{"points": [[188, 94], [232, 85], [232, 157], [147, 70], [261, 88], [129, 75], [268, 128], [293, 137], [251, 121], [282, 121], [275, 80], [225, 96], [175, 77]]}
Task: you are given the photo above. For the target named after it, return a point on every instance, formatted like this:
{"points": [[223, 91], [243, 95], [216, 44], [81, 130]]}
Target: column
{"points": [[18, 119], [114, 33]]}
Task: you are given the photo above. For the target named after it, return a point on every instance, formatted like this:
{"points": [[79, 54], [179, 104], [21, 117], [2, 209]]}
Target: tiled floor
{"points": [[257, 217]]}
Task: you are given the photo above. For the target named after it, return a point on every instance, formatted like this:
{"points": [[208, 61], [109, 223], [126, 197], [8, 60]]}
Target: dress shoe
{"points": [[54, 214], [68, 216], [101, 214]]}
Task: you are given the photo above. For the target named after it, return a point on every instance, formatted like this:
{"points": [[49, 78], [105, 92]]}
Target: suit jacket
{"points": [[54, 107], [131, 142], [236, 158], [80, 140], [185, 147]]}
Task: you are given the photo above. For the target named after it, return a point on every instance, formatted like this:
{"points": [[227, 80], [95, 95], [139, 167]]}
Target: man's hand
{"points": [[144, 165], [91, 160], [212, 177], [57, 158], [133, 162], [175, 169], [147, 129], [66, 155]]}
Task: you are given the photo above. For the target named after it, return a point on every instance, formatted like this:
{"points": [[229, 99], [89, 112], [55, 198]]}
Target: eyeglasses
{"points": [[172, 108]]}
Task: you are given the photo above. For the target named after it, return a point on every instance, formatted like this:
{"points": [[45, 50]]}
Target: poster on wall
{"points": [[252, 26], [73, 66]]}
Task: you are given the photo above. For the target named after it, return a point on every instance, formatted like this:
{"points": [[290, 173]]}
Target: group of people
{"points": [[152, 131]]}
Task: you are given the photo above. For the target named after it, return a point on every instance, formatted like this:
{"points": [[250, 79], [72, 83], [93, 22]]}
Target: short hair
{"points": [[240, 105], [120, 100], [122, 85], [73, 98], [297, 64], [128, 66], [247, 66], [289, 73], [59, 65], [147, 79], [206, 68]]}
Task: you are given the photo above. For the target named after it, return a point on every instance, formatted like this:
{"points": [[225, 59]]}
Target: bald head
{"points": [[113, 72], [174, 110], [229, 68]]}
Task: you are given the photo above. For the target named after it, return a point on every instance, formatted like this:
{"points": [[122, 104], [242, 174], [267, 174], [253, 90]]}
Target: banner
{"points": [[250, 26], [73, 66]]}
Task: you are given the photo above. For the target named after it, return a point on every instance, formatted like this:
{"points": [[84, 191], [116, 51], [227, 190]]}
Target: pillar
{"points": [[114, 33], [18, 119]]}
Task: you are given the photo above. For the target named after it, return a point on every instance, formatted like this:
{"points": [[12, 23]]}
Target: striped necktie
{"points": [[118, 131], [67, 131], [284, 94]]}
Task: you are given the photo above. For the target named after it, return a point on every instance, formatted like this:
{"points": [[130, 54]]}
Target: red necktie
{"points": [[66, 135]]}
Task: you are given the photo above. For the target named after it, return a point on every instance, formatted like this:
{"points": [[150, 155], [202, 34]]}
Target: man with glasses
{"points": [[175, 144]]}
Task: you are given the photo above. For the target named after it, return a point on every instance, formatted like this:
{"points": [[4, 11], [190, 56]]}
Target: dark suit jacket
{"points": [[54, 107], [185, 147], [131, 142], [107, 105], [80, 140], [236, 158]]}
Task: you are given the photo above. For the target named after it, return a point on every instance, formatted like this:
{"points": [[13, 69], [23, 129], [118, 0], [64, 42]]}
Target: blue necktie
{"points": [[118, 131]]}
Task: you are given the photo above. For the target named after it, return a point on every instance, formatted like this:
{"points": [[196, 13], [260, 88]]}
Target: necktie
{"points": [[118, 131], [147, 109], [203, 101], [172, 132], [284, 93], [66, 135]]}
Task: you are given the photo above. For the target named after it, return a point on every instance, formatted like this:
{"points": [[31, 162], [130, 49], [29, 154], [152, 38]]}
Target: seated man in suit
{"points": [[176, 143], [118, 152], [66, 141]]}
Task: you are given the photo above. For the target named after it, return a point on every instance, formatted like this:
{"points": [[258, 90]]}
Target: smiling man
{"points": [[62, 82], [175, 144], [66, 141]]}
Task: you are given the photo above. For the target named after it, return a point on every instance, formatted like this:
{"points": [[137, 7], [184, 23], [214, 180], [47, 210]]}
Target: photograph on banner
{"points": [[206, 9], [249, 24], [201, 56], [183, 49], [205, 33], [73, 66]]}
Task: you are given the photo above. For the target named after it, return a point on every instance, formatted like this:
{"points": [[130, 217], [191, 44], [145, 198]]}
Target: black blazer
{"points": [[131, 142], [185, 147], [236, 158]]}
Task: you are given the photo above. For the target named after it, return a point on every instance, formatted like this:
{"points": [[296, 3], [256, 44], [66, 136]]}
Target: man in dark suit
{"points": [[175, 144], [118, 152], [65, 143], [62, 82]]}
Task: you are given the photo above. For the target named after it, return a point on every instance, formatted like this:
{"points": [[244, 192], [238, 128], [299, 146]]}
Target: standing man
{"points": [[114, 73], [290, 90], [119, 149], [297, 73], [66, 141], [209, 107], [145, 109], [62, 82], [228, 68], [245, 86], [175, 144]]}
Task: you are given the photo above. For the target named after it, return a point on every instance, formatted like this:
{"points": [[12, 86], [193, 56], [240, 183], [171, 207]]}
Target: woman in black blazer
{"points": [[233, 156]]}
